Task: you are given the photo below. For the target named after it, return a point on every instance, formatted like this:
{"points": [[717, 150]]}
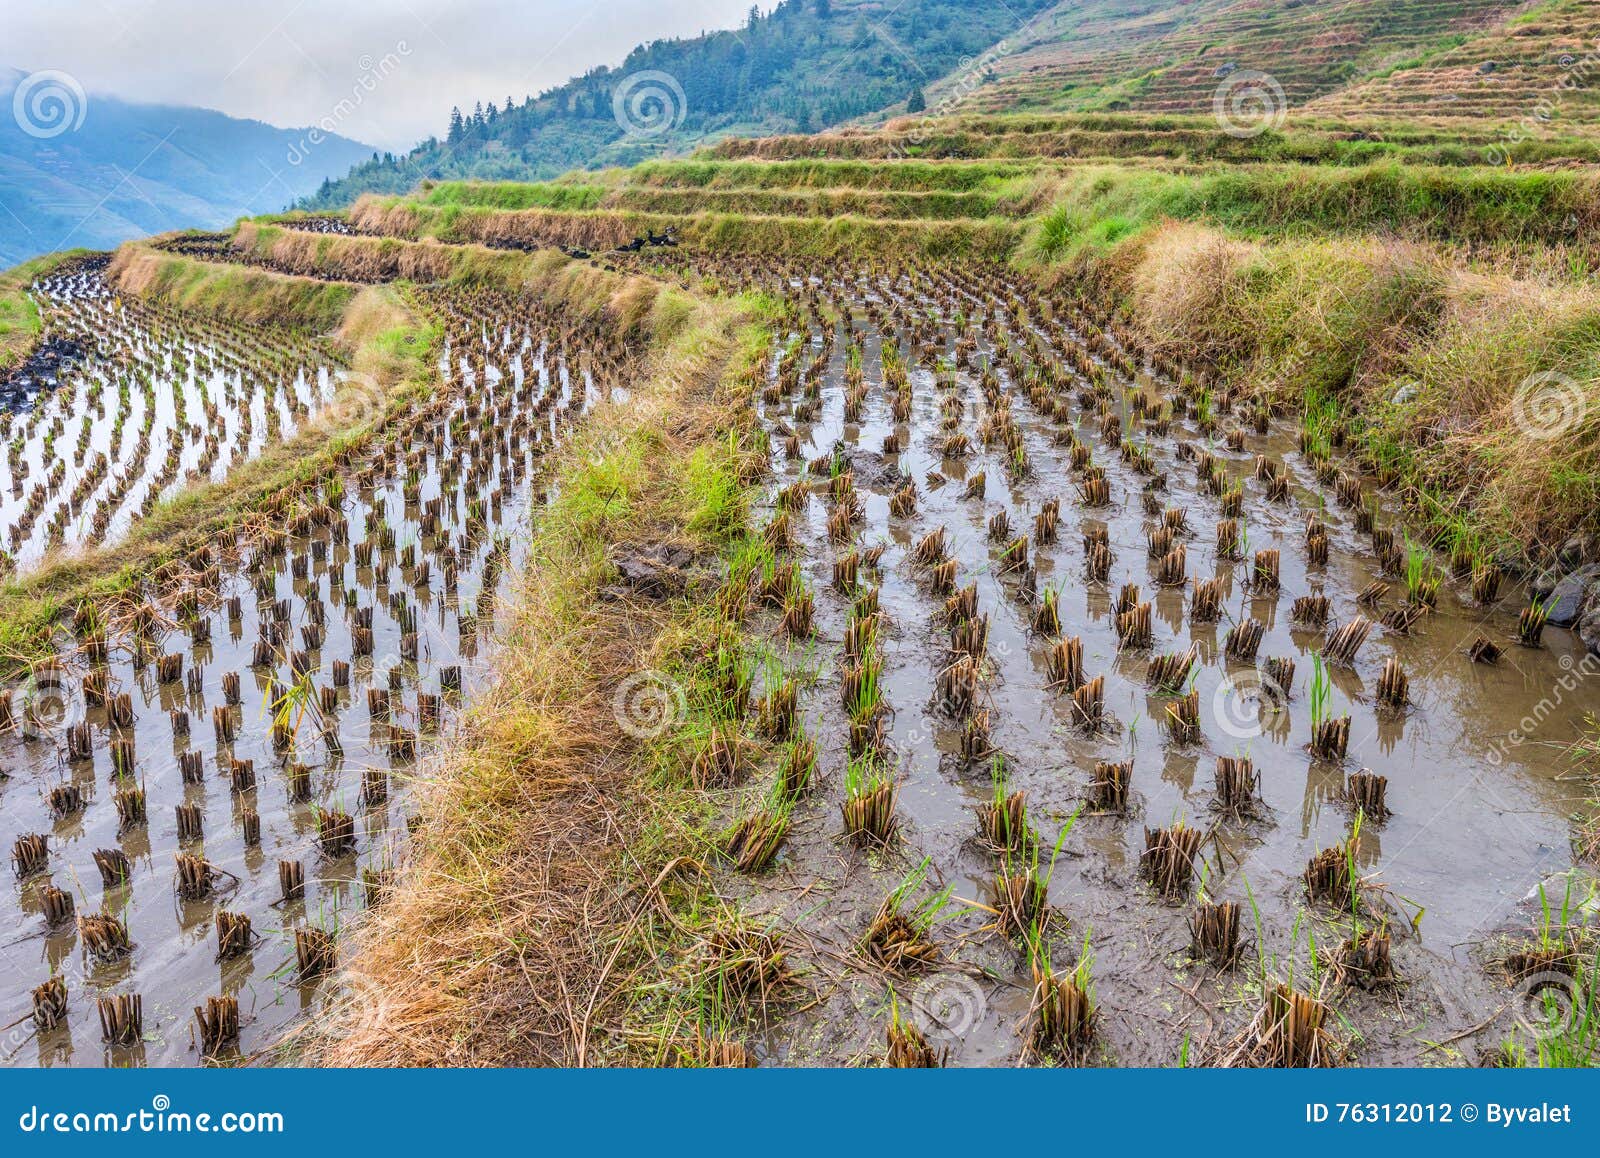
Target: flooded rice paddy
{"points": [[153, 401], [210, 781], [1053, 598], [1134, 700]]}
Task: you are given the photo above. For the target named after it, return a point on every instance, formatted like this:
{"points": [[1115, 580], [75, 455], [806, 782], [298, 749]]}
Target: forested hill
{"points": [[806, 65]]}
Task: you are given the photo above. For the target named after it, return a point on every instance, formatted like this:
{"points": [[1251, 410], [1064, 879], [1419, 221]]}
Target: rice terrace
{"points": [[926, 535]]}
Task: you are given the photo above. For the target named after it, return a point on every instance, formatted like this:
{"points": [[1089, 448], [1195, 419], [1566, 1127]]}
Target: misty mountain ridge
{"points": [[92, 170]]}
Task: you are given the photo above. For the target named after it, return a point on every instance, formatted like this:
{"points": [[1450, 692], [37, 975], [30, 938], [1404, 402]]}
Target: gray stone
{"points": [[655, 572], [1579, 549], [1565, 602], [1589, 621]]}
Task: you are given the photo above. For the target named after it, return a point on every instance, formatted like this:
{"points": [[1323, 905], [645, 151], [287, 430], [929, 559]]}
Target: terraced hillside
{"points": [[1136, 224], [1537, 69], [1098, 376], [1165, 57], [1143, 138], [1087, 594]]}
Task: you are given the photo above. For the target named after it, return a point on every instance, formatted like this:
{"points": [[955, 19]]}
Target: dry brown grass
{"points": [[358, 258], [835, 236], [506, 939], [1190, 282], [483, 954], [1352, 319]]}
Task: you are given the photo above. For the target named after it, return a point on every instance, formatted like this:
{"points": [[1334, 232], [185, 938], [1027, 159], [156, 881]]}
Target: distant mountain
{"points": [[807, 65], [126, 170]]}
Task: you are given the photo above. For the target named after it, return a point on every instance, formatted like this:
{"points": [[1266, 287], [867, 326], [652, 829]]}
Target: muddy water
{"points": [[515, 388], [156, 405], [1478, 819]]}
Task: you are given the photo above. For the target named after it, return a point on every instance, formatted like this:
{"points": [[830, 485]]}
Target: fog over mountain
{"points": [[86, 169]]}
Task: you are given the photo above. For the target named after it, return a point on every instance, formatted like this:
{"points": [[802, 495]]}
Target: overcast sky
{"points": [[294, 62]]}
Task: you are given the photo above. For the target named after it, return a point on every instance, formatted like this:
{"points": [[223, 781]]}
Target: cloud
{"points": [[289, 62]]}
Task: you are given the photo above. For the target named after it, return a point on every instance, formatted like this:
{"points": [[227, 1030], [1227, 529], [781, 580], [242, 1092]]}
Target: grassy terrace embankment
{"points": [[1300, 138], [796, 202], [242, 295], [1471, 206], [812, 237], [551, 884], [19, 316], [1436, 321]]}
